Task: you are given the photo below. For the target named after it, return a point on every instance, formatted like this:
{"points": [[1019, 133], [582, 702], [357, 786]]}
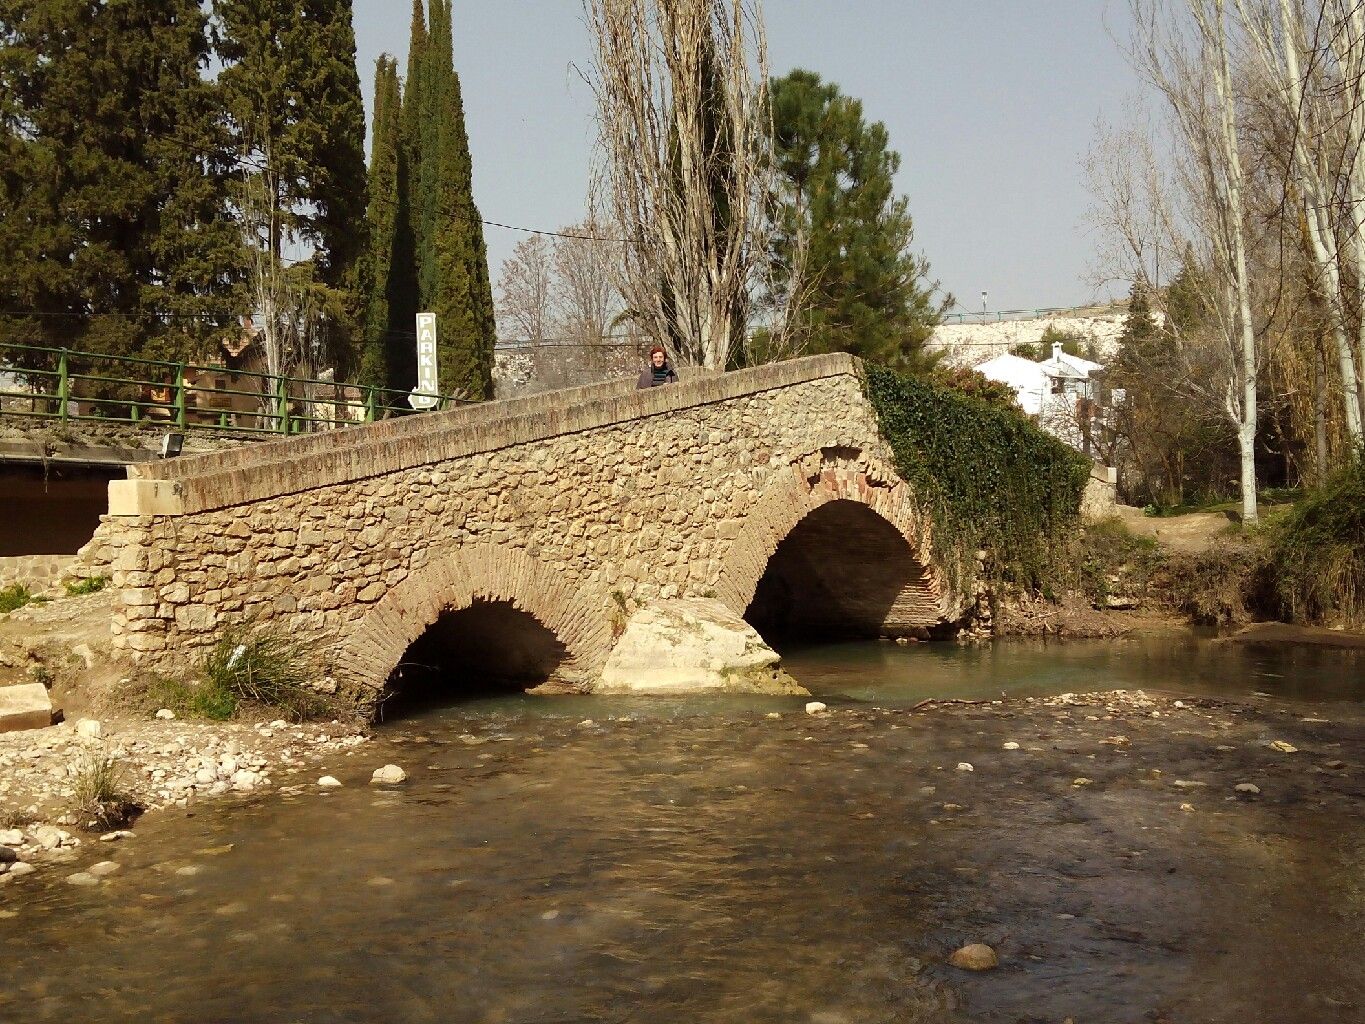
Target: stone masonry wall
{"points": [[577, 506]]}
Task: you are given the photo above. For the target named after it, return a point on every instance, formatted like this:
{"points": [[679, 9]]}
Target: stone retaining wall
{"points": [[39, 573]]}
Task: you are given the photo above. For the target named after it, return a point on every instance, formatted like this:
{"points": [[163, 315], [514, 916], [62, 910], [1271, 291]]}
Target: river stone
{"points": [[165, 714], [1248, 787], [89, 728], [11, 837], [26, 706], [976, 956], [815, 707], [21, 868], [389, 775], [49, 837], [691, 645], [103, 868], [82, 878], [328, 782], [7, 856]]}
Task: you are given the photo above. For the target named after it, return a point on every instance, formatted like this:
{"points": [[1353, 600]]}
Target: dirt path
{"points": [[1191, 533]]}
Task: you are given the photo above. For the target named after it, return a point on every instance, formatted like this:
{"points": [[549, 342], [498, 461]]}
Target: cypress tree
{"points": [[114, 229], [337, 182], [450, 256], [378, 351]]}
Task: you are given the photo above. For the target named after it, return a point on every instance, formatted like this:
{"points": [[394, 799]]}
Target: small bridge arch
{"points": [[482, 578]]}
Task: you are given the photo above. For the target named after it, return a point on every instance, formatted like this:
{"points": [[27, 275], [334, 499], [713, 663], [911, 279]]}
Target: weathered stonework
{"points": [[577, 506]]}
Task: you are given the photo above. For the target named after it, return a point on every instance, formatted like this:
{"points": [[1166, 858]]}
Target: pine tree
{"points": [[451, 256], [868, 293], [292, 95], [114, 230]]}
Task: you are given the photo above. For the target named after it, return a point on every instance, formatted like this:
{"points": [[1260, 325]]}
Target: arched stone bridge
{"points": [[520, 534]]}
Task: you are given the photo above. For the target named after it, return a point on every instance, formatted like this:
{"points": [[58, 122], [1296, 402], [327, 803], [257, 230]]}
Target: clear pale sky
{"points": [[991, 104]]}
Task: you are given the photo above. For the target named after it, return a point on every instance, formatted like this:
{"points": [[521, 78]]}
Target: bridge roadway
{"points": [[520, 534]]}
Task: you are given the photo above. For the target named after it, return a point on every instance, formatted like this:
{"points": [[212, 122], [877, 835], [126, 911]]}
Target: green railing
{"points": [[70, 386]]}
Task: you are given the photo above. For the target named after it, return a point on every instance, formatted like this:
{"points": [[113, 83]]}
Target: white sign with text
{"points": [[425, 395]]}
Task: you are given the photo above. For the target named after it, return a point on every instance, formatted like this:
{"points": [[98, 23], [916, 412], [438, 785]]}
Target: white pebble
{"points": [[814, 707], [328, 782]]}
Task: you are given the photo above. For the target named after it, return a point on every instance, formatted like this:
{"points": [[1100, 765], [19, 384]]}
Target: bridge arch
{"points": [[836, 545], [494, 588]]}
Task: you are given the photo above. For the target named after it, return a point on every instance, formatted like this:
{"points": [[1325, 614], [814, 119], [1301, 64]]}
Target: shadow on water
{"points": [[488, 650]]}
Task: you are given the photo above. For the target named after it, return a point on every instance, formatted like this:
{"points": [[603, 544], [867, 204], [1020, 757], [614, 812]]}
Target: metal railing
{"points": [[71, 386]]}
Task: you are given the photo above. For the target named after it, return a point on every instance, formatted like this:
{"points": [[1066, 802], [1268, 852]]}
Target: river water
{"points": [[614, 859]]}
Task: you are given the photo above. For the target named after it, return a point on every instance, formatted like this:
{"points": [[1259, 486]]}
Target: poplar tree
{"points": [[114, 233], [867, 292]]}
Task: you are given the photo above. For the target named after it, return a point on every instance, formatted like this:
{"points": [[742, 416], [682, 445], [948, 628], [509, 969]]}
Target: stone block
{"points": [[26, 706]]}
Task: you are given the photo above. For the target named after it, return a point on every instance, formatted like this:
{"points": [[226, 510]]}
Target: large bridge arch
{"points": [[477, 577], [842, 530]]}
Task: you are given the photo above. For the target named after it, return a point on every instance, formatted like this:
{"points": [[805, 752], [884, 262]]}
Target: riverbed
{"points": [[593, 859]]}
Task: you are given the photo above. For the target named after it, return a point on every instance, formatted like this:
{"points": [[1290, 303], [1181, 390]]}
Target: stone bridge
{"points": [[517, 537]]}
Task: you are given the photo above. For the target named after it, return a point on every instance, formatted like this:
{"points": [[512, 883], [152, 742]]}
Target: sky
{"points": [[992, 105]]}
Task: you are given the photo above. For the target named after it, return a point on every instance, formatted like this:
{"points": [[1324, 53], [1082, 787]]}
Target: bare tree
{"points": [[586, 260], [1324, 152], [1182, 47], [681, 90], [525, 292]]}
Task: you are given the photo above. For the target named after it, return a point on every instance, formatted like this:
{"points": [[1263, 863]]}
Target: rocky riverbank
{"points": [[1124, 855], [154, 765]]}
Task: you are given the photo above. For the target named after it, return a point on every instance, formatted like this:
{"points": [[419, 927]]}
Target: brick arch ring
{"points": [[455, 580], [831, 474]]}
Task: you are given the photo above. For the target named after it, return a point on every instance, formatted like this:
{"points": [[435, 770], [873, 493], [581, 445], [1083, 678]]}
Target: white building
{"points": [[1058, 392]]}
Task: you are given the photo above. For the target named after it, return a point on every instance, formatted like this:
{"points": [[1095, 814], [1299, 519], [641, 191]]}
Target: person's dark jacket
{"points": [[650, 379]]}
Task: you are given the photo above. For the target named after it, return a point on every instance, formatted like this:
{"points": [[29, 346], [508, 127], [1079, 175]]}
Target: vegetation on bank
{"points": [[1304, 566], [99, 793], [1317, 552], [989, 479], [250, 668]]}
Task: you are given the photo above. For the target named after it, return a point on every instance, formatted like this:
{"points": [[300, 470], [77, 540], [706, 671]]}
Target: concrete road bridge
{"points": [[515, 537]]}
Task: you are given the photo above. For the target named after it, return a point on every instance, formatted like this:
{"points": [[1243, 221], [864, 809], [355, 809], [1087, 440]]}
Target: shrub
{"points": [[14, 597], [1317, 551], [99, 795], [1223, 586], [89, 585], [269, 666]]}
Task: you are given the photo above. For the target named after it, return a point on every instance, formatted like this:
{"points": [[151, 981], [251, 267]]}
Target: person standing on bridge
{"points": [[659, 371]]}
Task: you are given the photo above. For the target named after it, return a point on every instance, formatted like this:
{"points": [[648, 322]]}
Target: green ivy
{"points": [[987, 477]]}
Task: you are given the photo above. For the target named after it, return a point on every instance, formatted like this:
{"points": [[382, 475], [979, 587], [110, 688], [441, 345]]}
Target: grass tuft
{"points": [[14, 597], [89, 585], [99, 794], [267, 666]]}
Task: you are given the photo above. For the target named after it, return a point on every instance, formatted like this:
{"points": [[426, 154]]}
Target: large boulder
{"points": [[693, 645], [26, 706]]}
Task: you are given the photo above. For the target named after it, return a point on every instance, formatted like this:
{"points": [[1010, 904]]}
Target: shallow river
{"points": [[615, 860]]}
